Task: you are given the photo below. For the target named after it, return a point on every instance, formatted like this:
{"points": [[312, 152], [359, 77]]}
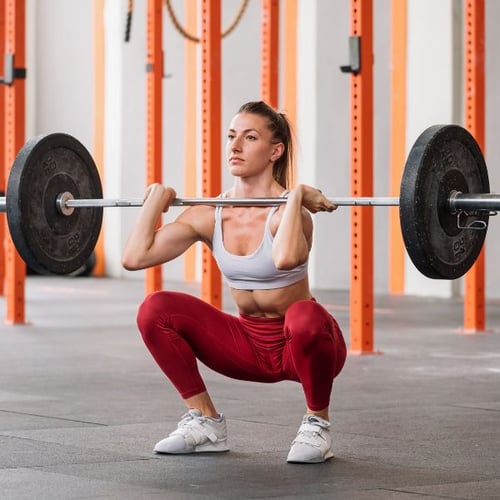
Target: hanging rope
{"points": [[193, 38], [128, 25]]}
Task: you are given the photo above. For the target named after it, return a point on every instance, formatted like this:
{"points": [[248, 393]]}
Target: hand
{"points": [[164, 195], [313, 199]]}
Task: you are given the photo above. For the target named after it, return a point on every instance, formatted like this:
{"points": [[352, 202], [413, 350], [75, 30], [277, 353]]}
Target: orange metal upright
{"points": [[211, 283], [270, 52], [190, 124], [361, 299], [3, 221], [154, 81], [474, 300], [290, 12], [398, 141], [15, 269], [98, 126]]}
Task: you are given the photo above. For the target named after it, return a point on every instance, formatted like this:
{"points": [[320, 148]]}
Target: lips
{"points": [[235, 159]]}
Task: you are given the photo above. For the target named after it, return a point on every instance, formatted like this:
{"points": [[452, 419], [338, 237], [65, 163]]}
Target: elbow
{"points": [[286, 258], [128, 266], [130, 263], [286, 262], [287, 265]]}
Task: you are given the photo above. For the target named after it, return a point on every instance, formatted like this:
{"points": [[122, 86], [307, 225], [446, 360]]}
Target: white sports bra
{"points": [[257, 270]]}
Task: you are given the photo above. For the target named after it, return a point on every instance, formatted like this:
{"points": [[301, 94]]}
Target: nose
{"points": [[236, 144]]}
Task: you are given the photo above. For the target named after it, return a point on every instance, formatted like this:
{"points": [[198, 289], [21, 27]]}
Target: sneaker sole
{"points": [[206, 448], [319, 460]]}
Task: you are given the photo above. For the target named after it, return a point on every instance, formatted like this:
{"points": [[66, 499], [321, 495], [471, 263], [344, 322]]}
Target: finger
{"points": [[170, 197], [146, 194], [328, 206]]}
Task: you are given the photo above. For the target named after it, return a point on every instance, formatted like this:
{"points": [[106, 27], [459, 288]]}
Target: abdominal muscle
{"points": [[271, 303]]}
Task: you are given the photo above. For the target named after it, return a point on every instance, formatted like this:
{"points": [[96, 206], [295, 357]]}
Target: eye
{"points": [[230, 137], [251, 137]]}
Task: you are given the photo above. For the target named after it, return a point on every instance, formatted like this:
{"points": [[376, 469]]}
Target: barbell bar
{"points": [[444, 202], [456, 202], [64, 204]]}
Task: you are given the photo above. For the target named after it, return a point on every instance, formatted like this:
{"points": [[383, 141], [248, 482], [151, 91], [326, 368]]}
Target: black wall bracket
{"points": [[354, 66], [10, 72]]}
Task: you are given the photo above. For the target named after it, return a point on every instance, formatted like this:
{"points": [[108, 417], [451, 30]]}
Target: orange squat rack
{"points": [[270, 52], [3, 180], [211, 283], [14, 138], [190, 125], [398, 142], [361, 300], [154, 82], [474, 298], [98, 121]]}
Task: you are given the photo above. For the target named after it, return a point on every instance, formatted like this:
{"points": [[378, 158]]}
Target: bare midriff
{"points": [[271, 303]]}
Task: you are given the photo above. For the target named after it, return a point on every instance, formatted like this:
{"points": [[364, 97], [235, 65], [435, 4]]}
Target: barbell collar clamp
{"points": [[62, 203], [468, 202]]}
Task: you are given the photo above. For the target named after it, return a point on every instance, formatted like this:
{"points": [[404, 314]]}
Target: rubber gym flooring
{"points": [[82, 404]]}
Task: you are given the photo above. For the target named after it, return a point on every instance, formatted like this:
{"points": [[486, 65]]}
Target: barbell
{"points": [[54, 203]]}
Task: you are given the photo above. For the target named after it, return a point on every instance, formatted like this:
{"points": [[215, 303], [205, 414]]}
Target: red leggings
{"points": [[305, 346]]}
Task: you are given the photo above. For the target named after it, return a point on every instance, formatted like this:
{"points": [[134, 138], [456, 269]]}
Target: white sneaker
{"points": [[313, 442], [195, 434]]}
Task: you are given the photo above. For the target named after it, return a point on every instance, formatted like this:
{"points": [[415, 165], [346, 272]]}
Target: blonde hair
{"points": [[279, 125]]}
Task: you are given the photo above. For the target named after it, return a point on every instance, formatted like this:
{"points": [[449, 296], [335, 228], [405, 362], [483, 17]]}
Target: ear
{"points": [[278, 150]]}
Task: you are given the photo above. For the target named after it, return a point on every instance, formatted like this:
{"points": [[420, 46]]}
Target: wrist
{"points": [[296, 194]]}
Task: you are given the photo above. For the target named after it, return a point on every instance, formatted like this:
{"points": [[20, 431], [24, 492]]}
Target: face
{"points": [[249, 148]]}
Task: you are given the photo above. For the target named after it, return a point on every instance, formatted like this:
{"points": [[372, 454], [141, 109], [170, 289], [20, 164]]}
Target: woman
{"points": [[281, 332]]}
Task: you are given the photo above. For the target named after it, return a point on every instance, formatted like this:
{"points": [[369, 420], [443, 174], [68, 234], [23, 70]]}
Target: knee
{"points": [[152, 312], [308, 322]]}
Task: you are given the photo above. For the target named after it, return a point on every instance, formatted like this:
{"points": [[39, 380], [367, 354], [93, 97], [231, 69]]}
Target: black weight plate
{"points": [[443, 159], [48, 241]]}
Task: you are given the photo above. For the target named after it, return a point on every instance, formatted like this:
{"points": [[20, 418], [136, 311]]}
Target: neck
{"points": [[255, 188]]}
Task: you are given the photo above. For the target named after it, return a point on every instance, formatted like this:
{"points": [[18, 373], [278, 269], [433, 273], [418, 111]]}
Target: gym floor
{"points": [[82, 404]]}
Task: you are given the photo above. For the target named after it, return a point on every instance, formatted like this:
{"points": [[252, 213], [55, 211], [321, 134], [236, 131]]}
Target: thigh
{"points": [[312, 331], [217, 338]]}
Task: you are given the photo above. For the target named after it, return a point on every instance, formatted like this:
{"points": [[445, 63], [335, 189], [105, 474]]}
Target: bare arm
{"points": [[293, 239], [147, 245]]}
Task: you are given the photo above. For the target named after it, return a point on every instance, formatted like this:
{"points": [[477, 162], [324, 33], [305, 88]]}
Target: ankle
{"points": [[207, 412], [322, 414], [204, 403]]}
